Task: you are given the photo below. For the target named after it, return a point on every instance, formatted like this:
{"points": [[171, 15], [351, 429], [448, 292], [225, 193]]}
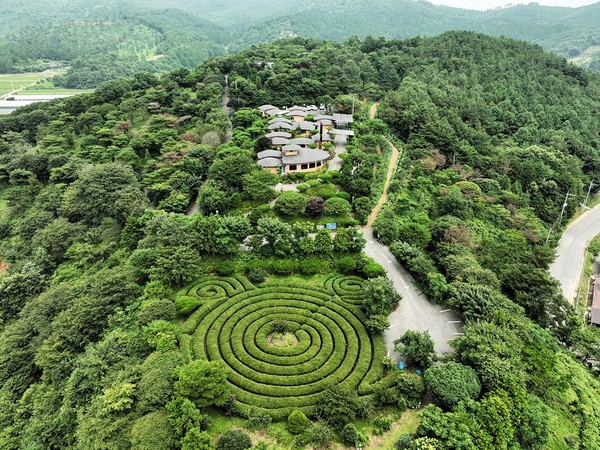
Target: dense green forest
{"points": [[105, 298], [158, 36]]}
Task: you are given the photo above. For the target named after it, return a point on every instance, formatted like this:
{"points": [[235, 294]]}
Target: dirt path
{"points": [[390, 172], [373, 111]]}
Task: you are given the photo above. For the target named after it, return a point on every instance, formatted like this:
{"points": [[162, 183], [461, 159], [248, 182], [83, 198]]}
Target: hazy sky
{"points": [[489, 4]]}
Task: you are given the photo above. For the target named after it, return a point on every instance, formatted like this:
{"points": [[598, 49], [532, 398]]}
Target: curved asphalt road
{"points": [[415, 312], [568, 266]]}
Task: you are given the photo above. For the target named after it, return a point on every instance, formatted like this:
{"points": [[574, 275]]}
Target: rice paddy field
{"points": [[13, 81], [36, 83]]}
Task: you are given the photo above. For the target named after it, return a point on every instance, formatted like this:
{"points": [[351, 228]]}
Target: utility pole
{"points": [[564, 206], [592, 184], [562, 212]]}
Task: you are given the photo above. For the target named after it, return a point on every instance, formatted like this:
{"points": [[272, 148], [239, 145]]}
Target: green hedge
{"points": [[234, 320]]}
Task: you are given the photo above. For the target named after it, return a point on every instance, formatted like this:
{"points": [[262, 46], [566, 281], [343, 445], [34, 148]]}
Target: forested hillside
{"points": [[130, 43], [94, 195], [168, 34]]}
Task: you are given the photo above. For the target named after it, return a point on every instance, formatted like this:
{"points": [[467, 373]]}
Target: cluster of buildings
{"points": [[297, 135]]}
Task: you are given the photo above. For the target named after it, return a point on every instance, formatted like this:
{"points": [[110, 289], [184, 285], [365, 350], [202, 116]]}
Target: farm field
{"points": [[13, 81], [36, 83], [48, 88]]}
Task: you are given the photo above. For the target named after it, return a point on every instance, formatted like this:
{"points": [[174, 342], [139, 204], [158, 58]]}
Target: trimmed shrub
{"points": [[362, 207], [311, 266], [373, 270], [337, 406], [349, 435], [196, 440], [225, 268], [410, 386], [234, 440], [346, 265], [345, 195], [364, 407], [186, 304], [257, 275], [452, 382], [256, 419], [337, 206], [284, 266], [315, 207], [258, 213], [297, 422], [156, 310], [291, 204], [151, 432]]}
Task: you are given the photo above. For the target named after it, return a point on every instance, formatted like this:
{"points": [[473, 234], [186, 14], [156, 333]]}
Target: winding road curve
{"points": [[568, 265], [415, 312]]}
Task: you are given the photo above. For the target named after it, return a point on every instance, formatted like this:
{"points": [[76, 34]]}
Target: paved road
{"points": [[415, 312], [567, 268], [340, 147]]}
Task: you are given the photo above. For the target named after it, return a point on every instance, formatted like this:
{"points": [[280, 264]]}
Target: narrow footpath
{"points": [[415, 312]]}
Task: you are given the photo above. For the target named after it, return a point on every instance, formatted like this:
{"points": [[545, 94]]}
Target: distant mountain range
{"points": [[163, 34]]}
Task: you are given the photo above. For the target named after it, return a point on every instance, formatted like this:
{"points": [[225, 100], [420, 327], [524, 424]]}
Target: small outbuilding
{"points": [[595, 312]]}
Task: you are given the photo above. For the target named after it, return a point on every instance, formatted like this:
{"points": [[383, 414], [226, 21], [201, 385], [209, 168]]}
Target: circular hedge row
{"points": [[235, 321]]}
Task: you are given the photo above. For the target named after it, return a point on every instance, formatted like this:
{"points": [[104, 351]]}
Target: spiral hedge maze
{"points": [[331, 346]]}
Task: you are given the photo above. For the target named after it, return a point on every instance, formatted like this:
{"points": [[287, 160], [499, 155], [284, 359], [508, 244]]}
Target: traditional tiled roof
{"points": [[270, 162], [268, 154], [302, 141], [279, 134], [325, 122], [280, 119], [296, 108], [297, 113], [275, 112], [282, 125], [343, 118], [291, 147], [326, 137], [306, 156], [280, 141], [306, 125]]}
